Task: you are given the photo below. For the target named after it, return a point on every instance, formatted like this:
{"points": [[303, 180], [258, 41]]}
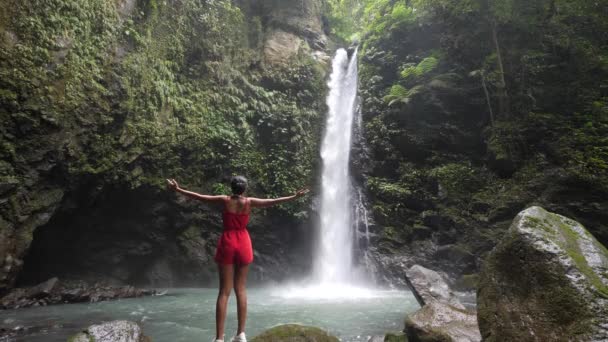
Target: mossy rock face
{"points": [[100, 97], [115, 331], [295, 333], [467, 282], [545, 281]]}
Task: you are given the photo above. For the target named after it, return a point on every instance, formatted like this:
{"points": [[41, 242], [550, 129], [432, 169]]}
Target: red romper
{"points": [[234, 246]]}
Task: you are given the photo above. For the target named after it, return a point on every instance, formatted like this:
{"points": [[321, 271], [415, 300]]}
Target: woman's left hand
{"points": [[172, 184]]}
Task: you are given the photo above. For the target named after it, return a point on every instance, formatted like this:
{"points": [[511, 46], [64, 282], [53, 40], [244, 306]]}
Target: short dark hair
{"points": [[238, 185]]}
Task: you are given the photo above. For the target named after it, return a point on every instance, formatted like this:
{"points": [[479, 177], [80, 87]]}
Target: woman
{"points": [[234, 252]]}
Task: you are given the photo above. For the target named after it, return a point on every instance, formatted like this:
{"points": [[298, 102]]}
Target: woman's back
{"points": [[236, 213], [237, 205]]}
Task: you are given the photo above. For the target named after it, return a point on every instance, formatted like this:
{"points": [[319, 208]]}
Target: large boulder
{"points": [[115, 331], [295, 333], [547, 280], [442, 317], [431, 287]]}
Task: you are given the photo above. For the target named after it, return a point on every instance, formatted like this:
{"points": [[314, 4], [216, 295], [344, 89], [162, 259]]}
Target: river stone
{"points": [[442, 316], [295, 333], [442, 322], [115, 331], [547, 280]]}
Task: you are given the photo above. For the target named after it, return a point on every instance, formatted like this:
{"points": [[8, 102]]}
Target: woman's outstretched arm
{"points": [[172, 183], [267, 202]]}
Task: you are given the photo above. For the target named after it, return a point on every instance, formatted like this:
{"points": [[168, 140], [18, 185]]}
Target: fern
{"points": [[400, 94], [396, 94], [424, 67]]}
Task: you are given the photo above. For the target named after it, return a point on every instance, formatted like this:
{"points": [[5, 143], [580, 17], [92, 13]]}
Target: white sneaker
{"points": [[239, 338], [219, 340]]}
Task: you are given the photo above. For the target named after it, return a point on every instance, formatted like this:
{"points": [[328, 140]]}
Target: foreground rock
{"points": [[438, 321], [394, 337], [442, 316], [53, 291], [547, 280], [295, 333], [115, 331]]}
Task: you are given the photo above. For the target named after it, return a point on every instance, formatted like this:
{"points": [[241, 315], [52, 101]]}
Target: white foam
{"points": [[329, 291]]}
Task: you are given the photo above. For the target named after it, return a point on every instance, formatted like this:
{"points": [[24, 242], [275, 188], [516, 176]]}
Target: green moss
{"points": [[294, 333], [467, 282], [395, 337], [537, 223], [81, 337], [572, 248], [569, 241]]}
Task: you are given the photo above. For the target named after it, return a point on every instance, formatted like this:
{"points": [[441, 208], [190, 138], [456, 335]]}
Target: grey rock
{"points": [[43, 289], [442, 316], [281, 46], [547, 280], [439, 321], [431, 286], [115, 331], [53, 291]]}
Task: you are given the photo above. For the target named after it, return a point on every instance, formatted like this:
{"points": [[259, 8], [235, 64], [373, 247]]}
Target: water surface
{"points": [[188, 315]]}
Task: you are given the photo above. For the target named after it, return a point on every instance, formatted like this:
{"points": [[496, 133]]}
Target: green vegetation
{"points": [[134, 95], [395, 337]]}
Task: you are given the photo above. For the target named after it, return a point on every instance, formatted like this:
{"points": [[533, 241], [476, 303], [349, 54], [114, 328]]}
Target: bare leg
{"points": [[226, 279], [240, 281]]}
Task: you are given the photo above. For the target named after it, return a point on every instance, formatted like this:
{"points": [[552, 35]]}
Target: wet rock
{"points": [[54, 292], [439, 321], [442, 316], [430, 286], [13, 247], [546, 280], [43, 289], [294, 333], [455, 255], [115, 331], [281, 46]]}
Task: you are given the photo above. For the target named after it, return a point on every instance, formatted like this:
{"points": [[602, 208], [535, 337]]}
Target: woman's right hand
{"points": [[302, 192], [172, 184]]}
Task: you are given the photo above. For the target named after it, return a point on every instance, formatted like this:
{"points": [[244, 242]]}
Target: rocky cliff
{"points": [[474, 111], [102, 100]]}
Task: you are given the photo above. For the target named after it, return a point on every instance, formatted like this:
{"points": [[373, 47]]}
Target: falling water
{"points": [[334, 261]]}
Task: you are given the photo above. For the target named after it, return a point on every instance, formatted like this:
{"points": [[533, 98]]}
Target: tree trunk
{"points": [[485, 90], [503, 97]]}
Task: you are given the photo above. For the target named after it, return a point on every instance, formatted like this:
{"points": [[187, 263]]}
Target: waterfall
{"points": [[334, 259]]}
